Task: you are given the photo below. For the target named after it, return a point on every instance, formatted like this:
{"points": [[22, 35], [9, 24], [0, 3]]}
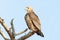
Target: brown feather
{"points": [[29, 23], [33, 21]]}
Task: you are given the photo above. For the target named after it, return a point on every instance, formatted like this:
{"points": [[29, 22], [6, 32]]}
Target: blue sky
{"points": [[48, 12]]}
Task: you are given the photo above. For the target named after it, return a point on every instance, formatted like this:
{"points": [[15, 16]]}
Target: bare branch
{"points": [[12, 28], [26, 36], [3, 35], [12, 35], [6, 28], [21, 32]]}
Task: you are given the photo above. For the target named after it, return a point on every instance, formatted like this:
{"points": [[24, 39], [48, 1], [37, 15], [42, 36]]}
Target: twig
{"points": [[21, 32], [12, 28], [3, 35]]}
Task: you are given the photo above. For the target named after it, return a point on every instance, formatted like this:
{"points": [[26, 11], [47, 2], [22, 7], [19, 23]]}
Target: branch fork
{"points": [[11, 31]]}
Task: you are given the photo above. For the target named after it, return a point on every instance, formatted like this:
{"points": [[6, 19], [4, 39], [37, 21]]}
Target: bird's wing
{"points": [[27, 19], [29, 23], [36, 24], [35, 20]]}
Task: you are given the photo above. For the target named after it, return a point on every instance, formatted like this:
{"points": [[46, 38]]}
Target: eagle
{"points": [[33, 21]]}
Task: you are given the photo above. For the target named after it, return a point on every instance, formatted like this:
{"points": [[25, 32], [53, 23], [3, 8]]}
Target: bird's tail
{"points": [[40, 33]]}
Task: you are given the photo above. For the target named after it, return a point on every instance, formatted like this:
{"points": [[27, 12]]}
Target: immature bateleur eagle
{"points": [[33, 21]]}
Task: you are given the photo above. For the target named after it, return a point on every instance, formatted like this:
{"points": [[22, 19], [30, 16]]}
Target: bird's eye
{"points": [[28, 8]]}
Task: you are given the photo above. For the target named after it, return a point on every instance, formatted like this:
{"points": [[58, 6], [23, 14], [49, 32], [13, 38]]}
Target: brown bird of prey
{"points": [[33, 21]]}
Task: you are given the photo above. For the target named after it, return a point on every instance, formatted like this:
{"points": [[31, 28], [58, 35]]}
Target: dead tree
{"points": [[11, 31]]}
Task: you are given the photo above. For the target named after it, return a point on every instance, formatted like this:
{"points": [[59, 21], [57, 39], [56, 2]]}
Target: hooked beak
{"points": [[26, 8]]}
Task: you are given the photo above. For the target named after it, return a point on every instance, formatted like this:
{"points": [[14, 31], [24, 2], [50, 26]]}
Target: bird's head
{"points": [[29, 9]]}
